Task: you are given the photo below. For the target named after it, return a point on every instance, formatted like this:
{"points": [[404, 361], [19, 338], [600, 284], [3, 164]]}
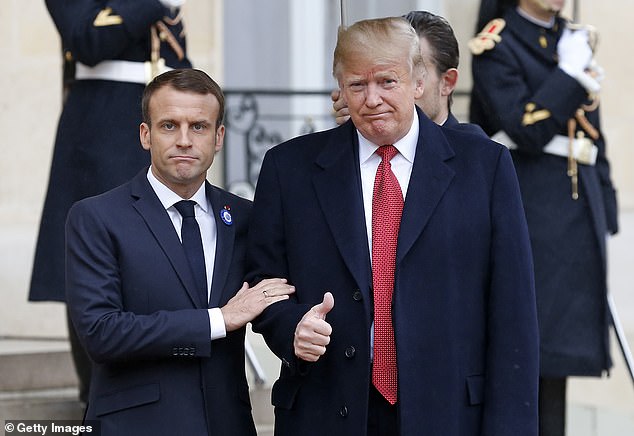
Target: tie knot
{"points": [[185, 208], [387, 152]]}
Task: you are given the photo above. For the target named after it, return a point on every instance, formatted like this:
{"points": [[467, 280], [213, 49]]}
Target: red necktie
{"points": [[387, 208]]}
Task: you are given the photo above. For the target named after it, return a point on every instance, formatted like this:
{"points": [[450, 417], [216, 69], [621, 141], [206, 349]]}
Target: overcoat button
{"points": [[357, 295], [343, 411]]}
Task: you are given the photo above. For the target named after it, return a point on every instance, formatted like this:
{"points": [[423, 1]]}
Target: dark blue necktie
{"points": [[193, 245]]}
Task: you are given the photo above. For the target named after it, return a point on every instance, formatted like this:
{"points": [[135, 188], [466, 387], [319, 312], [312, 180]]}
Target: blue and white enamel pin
{"points": [[225, 216]]}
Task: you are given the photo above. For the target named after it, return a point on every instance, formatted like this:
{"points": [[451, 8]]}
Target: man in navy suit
{"points": [[168, 358], [461, 316]]}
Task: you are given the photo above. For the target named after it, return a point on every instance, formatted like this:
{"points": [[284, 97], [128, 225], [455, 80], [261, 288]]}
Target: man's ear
{"points": [[420, 87], [144, 136], [220, 138], [449, 81]]}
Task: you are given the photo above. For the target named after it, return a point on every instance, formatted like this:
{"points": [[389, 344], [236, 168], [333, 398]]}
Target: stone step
{"points": [[38, 382], [35, 364], [62, 404], [583, 420], [262, 408], [49, 404]]}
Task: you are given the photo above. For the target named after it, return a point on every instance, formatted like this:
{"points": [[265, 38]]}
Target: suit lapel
{"points": [[150, 208], [225, 236], [338, 189], [429, 180]]}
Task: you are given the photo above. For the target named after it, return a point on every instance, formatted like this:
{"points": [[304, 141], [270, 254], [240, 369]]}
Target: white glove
{"points": [[172, 3], [575, 57], [596, 71], [574, 51]]}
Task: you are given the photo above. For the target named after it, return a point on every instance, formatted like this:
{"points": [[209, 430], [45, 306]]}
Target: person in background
{"points": [[441, 56], [535, 89], [111, 49], [414, 309], [155, 272]]}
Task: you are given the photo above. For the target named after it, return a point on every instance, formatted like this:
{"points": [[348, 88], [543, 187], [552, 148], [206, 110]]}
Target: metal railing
{"points": [[258, 119]]}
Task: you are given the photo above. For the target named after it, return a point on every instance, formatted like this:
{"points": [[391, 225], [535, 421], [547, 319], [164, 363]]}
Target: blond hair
{"points": [[385, 40]]}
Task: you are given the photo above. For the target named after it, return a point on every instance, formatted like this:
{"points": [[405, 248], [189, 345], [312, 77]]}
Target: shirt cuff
{"points": [[217, 323]]}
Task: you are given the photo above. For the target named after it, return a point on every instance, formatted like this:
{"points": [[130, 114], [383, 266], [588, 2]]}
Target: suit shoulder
{"points": [[232, 198], [298, 154], [111, 196], [468, 127], [471, 141], [303, 144]]}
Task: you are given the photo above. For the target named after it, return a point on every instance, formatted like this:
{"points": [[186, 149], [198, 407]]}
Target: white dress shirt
{"points": [[208, 233], [401, 164]]}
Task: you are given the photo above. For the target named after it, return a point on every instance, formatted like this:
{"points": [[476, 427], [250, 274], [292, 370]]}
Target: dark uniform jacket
{"points": [[519, 89], [463, 306], [134, 303], [97, 144]]}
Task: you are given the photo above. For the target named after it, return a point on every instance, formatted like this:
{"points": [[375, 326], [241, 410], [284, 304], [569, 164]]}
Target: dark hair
{"points": [[438, 32], [441, 38], [185, 79]]}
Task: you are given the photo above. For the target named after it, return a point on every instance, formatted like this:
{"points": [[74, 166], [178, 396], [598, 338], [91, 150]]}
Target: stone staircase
{"points": [[38, 382]]}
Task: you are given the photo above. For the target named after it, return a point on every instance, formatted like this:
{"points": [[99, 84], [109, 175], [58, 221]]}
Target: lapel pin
{"points": [[225, 216]]}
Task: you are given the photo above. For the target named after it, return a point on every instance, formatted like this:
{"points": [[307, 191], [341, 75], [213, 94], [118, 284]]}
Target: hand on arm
{"points": [[313, 332], [250, 302]]}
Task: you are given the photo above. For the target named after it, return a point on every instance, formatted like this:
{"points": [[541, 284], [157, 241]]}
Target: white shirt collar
{"points": [[547, 24], [406, 146], [169, 198]]}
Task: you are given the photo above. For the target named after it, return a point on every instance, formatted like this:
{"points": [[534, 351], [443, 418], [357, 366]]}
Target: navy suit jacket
{"points": [[464, 302], [452, 123], [132, 299]]}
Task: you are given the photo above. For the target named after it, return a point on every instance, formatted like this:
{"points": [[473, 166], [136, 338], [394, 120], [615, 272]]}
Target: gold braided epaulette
{"points": [[105, 17], [488, 37]]}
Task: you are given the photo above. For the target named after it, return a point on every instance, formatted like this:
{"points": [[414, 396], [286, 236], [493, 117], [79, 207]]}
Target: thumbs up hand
{"points": [[313, 332]]}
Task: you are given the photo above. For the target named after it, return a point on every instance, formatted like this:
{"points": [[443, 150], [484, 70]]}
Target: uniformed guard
{"points": [[111, 49], [536, 90]]}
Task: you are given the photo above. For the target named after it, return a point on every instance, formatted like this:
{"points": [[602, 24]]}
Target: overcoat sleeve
{"points": [[267, 257], [512, 366]]}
